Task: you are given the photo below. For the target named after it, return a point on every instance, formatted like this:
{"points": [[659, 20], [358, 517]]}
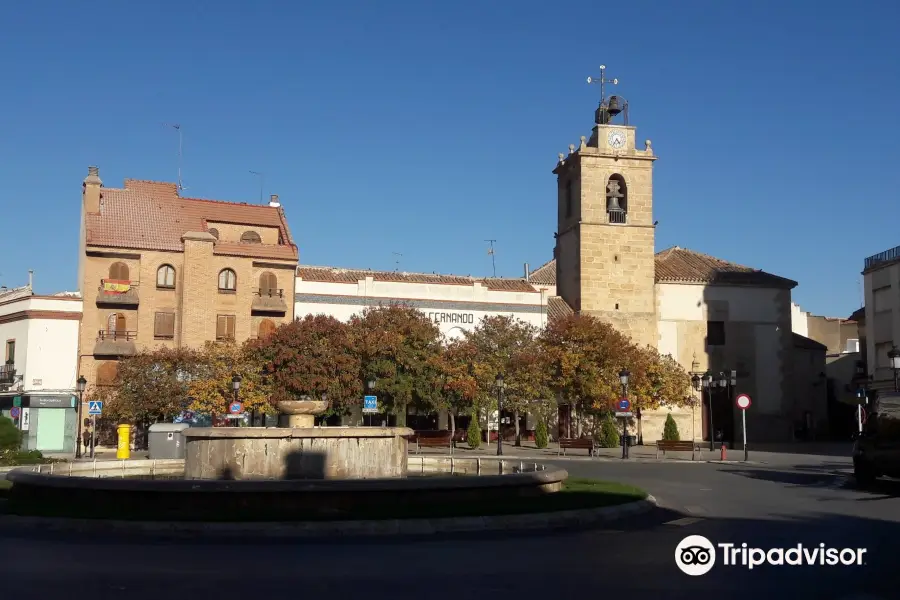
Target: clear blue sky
{"points": [[425, 128]]}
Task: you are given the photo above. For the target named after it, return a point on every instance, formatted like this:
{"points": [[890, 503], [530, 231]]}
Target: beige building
{"points": [[881, 278], [709, 314], [158, 269]]}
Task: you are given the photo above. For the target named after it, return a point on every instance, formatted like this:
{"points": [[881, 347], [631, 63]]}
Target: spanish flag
{"points": [[115, 286]]}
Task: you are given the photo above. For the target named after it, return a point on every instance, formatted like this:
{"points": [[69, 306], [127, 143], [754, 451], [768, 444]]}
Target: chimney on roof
{"points": [[90, 196], [31, 280], [273, 201], [527, 273]]}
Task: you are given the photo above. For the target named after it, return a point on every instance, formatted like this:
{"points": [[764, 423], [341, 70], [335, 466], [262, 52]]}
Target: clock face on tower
{"points": [[616, 139]]}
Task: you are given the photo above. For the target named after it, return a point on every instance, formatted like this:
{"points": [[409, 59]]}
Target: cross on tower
{"points": [[602, 81]]}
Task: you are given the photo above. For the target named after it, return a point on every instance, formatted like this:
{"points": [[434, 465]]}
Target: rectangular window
{"points": [[10, 352], [715, 333], [225, 327], [164, 325]]}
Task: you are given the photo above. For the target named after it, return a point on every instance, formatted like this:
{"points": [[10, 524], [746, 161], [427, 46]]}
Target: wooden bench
{"points": [[672, 446], [432, 439], [576, 443]]}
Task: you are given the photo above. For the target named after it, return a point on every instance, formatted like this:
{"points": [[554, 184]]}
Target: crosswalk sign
{"points": [[95, 407]]}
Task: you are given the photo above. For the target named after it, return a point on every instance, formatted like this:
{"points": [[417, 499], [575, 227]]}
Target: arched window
{"points": [[268, 283], [165, 276], [250, 237], [227, 280], [107, 373], [116, 322], [266, 328], [616, 199], [214, 232], [118, 271]]}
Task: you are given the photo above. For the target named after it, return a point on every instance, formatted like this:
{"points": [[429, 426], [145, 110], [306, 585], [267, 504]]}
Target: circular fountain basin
{"points": [[237, 453]]}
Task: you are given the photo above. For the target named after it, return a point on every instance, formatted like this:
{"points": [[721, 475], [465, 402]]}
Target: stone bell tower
{"points": [[605, 233]]}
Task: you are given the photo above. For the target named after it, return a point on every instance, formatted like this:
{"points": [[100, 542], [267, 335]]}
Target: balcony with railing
{"points": [[115, 343], [118, 292], [7, 374], [268, 301], [883, 257]]}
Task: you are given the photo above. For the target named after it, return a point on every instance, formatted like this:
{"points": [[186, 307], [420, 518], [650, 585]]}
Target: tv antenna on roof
{"points": [[177, 128], [261, 181], [491, 252], [397, 261]]}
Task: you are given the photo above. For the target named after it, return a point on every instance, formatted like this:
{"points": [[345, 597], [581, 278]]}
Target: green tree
{"points": [[309, 357], [541, 435], [10, 436], [508, 346], [397, 345], [670, 430], [457, 386], [211, 388], [608, 437], [473, 433]]}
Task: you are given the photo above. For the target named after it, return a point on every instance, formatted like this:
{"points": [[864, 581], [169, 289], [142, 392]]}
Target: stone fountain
{"points": [[297, 449]]}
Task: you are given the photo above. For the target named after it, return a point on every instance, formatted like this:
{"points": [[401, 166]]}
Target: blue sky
{"points": [[424, 128]]}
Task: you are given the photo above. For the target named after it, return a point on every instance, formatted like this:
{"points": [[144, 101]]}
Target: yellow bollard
{"points": [[123, 449]]}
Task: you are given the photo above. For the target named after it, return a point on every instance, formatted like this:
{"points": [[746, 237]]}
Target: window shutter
{"points": [[230, 332], [121, 325], [164, 325], [220, 327]]}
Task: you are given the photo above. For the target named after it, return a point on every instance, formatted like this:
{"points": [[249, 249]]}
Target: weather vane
{"points": [[602, 81]]}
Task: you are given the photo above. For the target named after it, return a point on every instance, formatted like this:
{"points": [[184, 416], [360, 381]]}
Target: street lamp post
{"points": [[708, 381], [500, 387], [235, 386], [894, 357], [79, 385], [623, 379], [370, 387]]}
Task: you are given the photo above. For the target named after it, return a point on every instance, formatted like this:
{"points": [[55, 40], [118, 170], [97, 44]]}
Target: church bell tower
{"points": [[605, 233]]}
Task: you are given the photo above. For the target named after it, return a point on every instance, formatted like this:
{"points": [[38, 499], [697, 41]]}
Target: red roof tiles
{"points": [[150, 215], [557, 308], [337, 275], [545, 274]]}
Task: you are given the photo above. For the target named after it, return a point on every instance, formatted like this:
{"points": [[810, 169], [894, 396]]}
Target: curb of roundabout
{"points": [[543, 522]]}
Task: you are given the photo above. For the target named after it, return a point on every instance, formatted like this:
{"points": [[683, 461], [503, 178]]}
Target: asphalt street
{"points": [[801, 499]]}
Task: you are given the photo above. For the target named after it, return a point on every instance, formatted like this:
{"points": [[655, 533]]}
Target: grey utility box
{"points": [[166, 440]]}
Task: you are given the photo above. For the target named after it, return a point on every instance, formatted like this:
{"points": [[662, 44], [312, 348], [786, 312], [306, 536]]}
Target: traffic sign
{"points": [[623, 405], [370, 404], [14, 412], [624, 415], [95, 407], [235, 408], [743, 401]]}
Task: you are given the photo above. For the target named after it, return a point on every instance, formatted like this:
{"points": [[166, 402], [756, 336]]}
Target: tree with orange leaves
{"points": [[455, 380]]}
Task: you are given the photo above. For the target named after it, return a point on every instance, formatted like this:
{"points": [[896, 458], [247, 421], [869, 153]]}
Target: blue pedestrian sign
{"points": [[370, 404], [95, 407], [235, 408], [623, 405]]}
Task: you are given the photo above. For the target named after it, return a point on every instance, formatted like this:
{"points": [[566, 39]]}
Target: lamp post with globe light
{"points": [[624, 375], [500, 387], [707, 382], [894, 358], [235, 387], [80, 385]]}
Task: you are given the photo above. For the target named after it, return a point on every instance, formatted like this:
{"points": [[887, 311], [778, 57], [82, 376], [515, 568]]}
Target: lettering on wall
{"points": [[452, 317]]}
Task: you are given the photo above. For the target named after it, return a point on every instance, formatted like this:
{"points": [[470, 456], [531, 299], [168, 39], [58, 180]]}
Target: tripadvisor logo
{"points": [[696, 555]]}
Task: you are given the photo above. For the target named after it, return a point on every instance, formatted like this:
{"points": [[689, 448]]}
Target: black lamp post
{"points": [[370, 387], [500, 387], [235, 387], [707, 382], [894, 358], [79, 385], [623, 379]]}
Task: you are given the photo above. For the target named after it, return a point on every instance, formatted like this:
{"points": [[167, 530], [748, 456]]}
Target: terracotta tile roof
{"points": [[338, 275], [150, 215], [679, 265], [545, 274], [557, 308]]}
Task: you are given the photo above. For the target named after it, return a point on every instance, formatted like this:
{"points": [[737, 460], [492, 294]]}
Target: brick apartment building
{"points": [[158, 269]]}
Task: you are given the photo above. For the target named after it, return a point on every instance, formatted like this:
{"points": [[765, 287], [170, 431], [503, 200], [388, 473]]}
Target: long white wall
{"points": [[454, 308], [683, 302]]}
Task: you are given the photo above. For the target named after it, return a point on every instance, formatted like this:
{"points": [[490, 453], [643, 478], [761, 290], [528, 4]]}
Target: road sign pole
{"points": [[744, 424], [93, 433]]}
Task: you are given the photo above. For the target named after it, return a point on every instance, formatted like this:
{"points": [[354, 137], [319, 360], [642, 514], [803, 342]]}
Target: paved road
{"points": [[765, 506]]}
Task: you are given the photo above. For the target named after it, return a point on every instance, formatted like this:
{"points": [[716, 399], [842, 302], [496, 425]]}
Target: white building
{"points": [[37, 377], [455, 303]]}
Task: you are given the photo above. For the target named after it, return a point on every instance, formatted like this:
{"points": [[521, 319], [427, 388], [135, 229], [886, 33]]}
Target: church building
{"points": [[709, 314]]}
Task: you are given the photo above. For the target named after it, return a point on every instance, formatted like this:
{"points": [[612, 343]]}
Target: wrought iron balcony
{"points": [[7, 374], [115, 343], [118, 292], [269, 301]]}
